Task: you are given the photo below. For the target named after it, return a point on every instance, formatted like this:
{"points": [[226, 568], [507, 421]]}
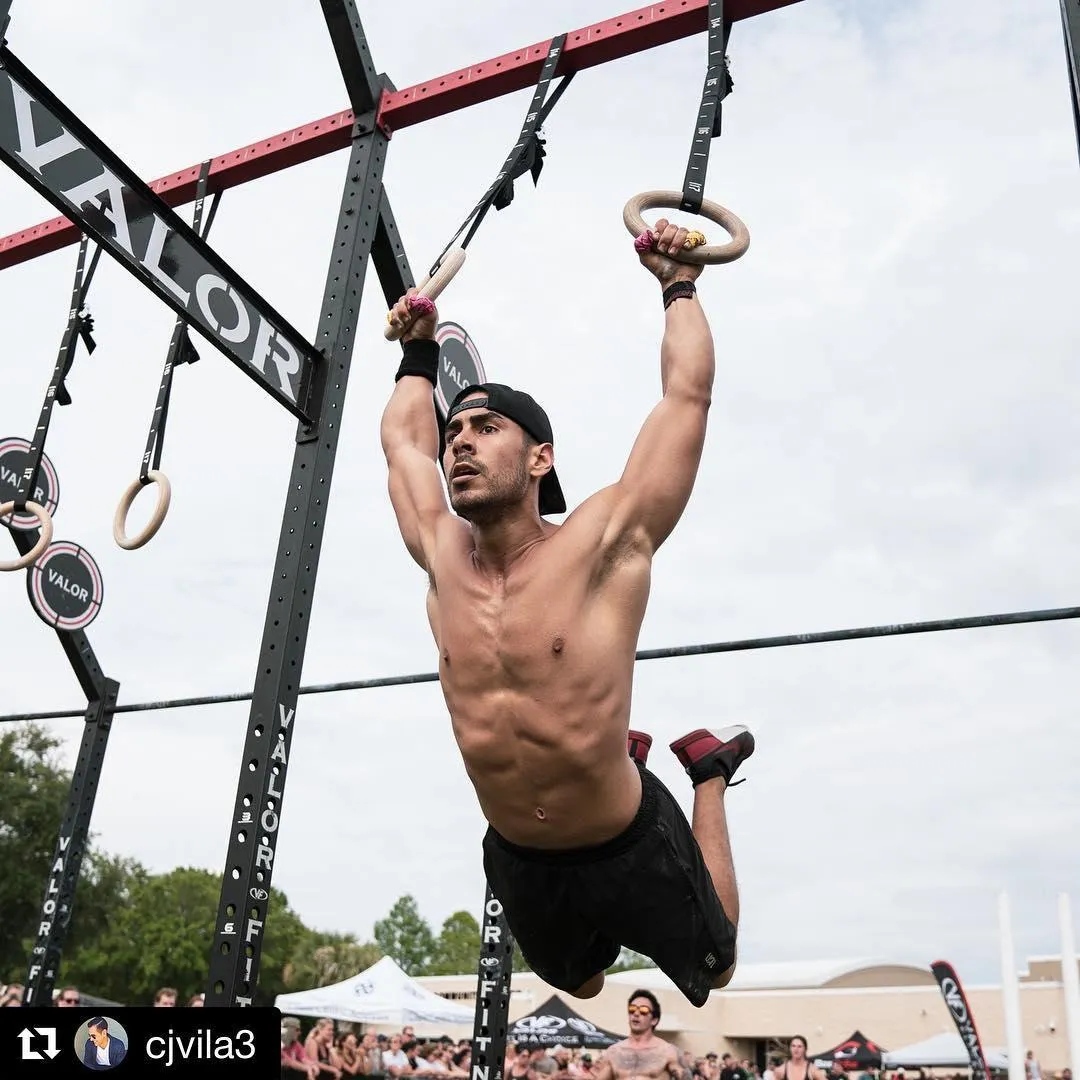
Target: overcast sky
{"points": [[892, 439]]}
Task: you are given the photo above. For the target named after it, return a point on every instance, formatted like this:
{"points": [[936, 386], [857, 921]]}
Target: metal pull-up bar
{"points": [[624, 35]]}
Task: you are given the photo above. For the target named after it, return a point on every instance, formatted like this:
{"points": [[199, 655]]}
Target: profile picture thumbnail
{"points": [[101, 1043]]}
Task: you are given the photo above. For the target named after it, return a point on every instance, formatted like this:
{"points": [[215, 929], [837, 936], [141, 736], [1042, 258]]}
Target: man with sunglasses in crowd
{"points": [[644, 1055]]}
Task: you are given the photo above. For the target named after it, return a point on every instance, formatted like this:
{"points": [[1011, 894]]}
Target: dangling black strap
{"points": [[717, 87], [181, 348], [79, 325], [1070, 27], [528, 153]]}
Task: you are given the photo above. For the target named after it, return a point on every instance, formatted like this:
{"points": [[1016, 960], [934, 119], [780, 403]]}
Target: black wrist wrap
{"points": [[419, 357], [677, 291]]}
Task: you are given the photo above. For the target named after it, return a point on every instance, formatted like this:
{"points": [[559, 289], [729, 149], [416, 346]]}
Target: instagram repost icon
{"points": [[101, 1043]]}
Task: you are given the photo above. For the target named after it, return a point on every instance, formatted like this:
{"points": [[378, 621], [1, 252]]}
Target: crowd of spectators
{"points": [[326, 1055], [322, 1055], [70, 997]]}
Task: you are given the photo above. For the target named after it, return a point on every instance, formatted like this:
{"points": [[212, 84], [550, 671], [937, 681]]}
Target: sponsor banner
{"points": [[46, 493], [459, 364], [65, 586], [54, 152], [953, 993]]}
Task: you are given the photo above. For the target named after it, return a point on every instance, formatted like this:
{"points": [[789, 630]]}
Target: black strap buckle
{"points": [[181, 348], [527, 155], [79, 326]]}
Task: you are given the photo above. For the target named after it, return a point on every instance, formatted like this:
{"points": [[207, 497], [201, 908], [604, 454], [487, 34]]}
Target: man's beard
{"points": [[500, 494]]}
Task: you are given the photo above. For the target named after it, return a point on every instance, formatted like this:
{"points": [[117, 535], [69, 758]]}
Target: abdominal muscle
{"points": [[549, 774], [537, 670]]}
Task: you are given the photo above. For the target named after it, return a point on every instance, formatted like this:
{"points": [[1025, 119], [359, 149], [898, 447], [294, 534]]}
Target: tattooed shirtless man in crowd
{"points": [[643, 1056]]}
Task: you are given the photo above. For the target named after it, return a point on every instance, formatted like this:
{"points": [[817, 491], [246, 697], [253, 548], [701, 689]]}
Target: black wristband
{"points": [[677, 291], [419, 357]]}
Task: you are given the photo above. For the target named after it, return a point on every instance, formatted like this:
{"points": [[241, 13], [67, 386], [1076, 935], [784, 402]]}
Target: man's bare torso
{"points": [[649, 1061], [537, 666]]}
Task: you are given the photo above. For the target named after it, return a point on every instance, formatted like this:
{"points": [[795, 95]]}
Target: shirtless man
{"points": [[643, 1056], [798, 1066], [536, 626]]}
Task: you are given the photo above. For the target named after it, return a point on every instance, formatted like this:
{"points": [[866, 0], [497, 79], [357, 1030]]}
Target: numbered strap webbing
{"points": [[527, 154], [717, 87], [79, 325], [181, 348]]}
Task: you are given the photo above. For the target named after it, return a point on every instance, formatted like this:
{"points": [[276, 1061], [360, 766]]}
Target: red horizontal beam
{"points": [[624, 35]]}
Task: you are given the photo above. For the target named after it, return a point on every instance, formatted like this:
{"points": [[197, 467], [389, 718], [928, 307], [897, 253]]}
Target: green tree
{"points": [[457, 948], [517, 960], [33, 789], [405, 936], [33, 797], [325, 958], [630, 961], [163, 935]]}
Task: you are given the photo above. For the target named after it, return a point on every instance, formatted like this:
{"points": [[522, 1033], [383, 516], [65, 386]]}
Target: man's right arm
{"points": [[604, 1069], [410, 441]]}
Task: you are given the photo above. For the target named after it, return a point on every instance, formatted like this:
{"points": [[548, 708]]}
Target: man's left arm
{"points": [[659, 476], [674, 1068]]}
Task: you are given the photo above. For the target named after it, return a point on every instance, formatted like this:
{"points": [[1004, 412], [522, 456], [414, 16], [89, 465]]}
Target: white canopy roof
{"points": [[943, 1051], [783, 975], [383, 994]]}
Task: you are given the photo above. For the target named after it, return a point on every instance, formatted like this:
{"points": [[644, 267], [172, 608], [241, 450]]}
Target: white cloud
{"points": [[891, 440]]}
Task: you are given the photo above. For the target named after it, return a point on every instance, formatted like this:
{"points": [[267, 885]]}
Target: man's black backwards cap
{"points": [[526, 413]]}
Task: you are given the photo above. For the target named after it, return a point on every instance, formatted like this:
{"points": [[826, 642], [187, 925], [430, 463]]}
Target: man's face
{"points": [[395, 1044], [640, 1016], [166, 1001], [99, 1037], [407, 1033], [68, 999], [486, 462]]}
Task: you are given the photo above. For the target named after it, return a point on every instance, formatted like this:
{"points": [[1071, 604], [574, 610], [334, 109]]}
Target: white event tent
{"points": [[383, 994], [944, 1051]]}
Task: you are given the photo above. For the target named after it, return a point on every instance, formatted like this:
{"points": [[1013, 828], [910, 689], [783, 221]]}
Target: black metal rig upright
{"points": [[492, 1017], [1070, 25], [58, 903], [364, 218]]}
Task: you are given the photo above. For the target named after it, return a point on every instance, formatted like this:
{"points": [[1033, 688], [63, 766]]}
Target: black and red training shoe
{"points": [[707, 754], [637, 746]]}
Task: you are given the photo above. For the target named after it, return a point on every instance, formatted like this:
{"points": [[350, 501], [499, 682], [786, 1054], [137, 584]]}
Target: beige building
{"points": [[893, 1004]]}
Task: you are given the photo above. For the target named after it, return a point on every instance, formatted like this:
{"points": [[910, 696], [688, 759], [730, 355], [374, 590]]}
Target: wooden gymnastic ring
{"points": [[706, 254], [119, 528], [23, 561], [432, 287]]}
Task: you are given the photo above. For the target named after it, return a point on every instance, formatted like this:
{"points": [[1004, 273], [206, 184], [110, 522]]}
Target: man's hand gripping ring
{"points": [[698, 252]]}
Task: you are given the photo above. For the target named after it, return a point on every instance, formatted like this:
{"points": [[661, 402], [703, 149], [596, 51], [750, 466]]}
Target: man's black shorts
{"points": [[647, 889]]}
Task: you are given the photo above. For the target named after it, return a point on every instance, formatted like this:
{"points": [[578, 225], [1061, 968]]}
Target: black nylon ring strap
{"points": [[181, 348], [79, 325], [717, 87], [526, 156]]}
